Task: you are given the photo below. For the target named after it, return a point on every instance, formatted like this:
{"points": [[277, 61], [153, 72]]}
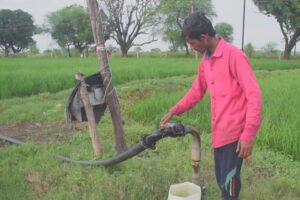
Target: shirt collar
{"points": [[218, 51]]}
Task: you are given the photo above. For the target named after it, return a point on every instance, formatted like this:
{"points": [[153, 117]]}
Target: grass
{"points": [[25, 76], [280, 129], [28, 76], [37, 175], [31, 172]]}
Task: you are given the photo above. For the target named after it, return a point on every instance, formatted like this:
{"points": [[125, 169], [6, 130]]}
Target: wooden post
{"points": [[193, 11], [89, 114], [111, 96]]}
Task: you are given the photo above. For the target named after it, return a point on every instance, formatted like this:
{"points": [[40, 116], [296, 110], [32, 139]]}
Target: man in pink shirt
{"points": [[235, 101]]}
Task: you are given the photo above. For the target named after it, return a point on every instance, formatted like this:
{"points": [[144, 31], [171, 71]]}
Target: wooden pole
{"points": [[89, 114], [243, 30], [111, 96], [193, 11]]}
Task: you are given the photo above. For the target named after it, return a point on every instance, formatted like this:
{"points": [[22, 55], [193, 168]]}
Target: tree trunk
{"points": [[186, 49], [289, 43], [288, 49], [111, 96], [124, 51], [286, 53], [6, 51], [69, 52], [87, 51]]}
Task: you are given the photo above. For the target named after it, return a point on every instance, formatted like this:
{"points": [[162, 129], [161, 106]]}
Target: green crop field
{"points": [[27, 76], [34, 92]]}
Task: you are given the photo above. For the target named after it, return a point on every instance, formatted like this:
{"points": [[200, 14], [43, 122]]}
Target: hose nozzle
{"points": [[172, 130]]}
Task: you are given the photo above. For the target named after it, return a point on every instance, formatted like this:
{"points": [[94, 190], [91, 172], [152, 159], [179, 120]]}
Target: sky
{"points": [[259, 29]]}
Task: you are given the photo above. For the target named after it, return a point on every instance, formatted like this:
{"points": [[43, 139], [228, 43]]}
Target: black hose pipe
{"points": [[148, 141]]}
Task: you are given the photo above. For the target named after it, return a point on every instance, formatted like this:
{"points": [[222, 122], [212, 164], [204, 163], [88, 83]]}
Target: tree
{"points": [[174, 12], [16, 30], [287, 14], [270, 48], [225, 30], [172, 35], [249, 50], [129, 20], [33, 48], [137, 50], [112, 48], [71, 26], [155, 50]]}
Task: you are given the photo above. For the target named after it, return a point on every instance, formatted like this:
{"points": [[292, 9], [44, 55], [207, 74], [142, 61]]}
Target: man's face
{"points": [[199, 44]]}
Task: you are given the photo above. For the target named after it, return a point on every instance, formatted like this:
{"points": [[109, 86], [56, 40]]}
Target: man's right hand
{"points": [[166, 119]]}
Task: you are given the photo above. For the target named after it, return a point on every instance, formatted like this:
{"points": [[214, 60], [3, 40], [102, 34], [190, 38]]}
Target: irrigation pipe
{"points": [[147, 142]]}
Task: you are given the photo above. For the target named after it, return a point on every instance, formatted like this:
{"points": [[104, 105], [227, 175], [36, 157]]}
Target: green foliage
{"points": [[174, 13], [249, 50], [30, 171], [287, 13], [279, 129], [71, 26], [33, 48], [225, 30], [16, 30], [138, 49], [28, 76], [284, 11], [270, 47]]}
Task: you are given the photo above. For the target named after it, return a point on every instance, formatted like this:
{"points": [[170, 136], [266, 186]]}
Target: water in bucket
{"points": [[184, 191]]}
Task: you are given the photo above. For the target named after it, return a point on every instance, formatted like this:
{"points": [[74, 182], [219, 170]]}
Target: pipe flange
{"points": [[147, 144]]}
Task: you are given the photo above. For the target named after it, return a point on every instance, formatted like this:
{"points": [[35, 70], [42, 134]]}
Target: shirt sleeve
{"points": [[245, 76], [193, 96]]}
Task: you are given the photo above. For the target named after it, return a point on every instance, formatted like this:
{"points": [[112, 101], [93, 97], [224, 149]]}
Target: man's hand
{"points": [[244, 148], [165, 119]]}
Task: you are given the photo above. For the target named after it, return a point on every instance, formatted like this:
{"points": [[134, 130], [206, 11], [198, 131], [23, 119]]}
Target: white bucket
{"points": [[184, 191]]}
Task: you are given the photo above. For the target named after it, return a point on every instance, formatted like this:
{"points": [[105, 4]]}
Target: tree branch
{"points": [[178, 17], [153, 40], [283, 32]]}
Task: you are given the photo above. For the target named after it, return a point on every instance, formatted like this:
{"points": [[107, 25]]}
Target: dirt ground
{"points": [[36, 132]]}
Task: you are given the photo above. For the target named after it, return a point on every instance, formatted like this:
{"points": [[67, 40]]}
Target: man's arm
{"points": [[247, 80], [190, 99]]}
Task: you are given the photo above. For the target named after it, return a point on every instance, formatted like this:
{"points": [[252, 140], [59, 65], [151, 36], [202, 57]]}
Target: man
{"points": [[235, 101]]}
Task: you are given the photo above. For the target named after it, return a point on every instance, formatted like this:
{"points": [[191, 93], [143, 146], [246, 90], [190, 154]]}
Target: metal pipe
{"points": [[196, 153], [11, 140], [243, 30]]}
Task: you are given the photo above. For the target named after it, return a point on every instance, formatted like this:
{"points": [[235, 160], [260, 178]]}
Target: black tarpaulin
{"points": [[75, 110]]}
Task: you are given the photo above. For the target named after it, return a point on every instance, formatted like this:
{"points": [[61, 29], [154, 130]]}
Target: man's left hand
{"points": [[244, 148]]}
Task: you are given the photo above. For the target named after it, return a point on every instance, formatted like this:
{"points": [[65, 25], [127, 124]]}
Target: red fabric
{"points": [[233, 187], [235, 95]]}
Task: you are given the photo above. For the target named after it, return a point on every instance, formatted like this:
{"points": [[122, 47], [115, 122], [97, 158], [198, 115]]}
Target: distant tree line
{"points": [[16, 30], [125, 21]]}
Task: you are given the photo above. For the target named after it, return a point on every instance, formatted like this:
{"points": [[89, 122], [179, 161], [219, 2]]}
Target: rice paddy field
{"points": [[33, 94]]}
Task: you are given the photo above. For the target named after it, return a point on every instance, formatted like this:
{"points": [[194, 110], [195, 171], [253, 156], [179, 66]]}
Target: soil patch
{"points": [[36, 132]]}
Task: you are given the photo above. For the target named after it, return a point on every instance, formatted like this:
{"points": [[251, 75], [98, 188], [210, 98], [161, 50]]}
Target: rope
{"points": [[106, 93]]}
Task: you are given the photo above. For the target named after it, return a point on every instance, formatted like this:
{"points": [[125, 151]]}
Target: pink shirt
{"points": [[235, 95]]}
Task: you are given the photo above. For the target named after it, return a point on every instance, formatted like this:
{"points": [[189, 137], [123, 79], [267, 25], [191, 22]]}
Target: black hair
{"points": [[195, 25]]}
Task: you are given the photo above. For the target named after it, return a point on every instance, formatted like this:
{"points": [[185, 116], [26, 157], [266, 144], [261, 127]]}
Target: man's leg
{"points": [[227, 171]]}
